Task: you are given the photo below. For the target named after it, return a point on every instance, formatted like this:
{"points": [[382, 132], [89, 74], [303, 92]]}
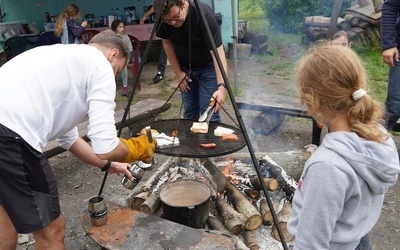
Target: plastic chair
{"points": [[16, 45], [87, 35], [134, 64]]}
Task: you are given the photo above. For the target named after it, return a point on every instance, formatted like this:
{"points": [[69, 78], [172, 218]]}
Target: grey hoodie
{"points": [[340, 193]]}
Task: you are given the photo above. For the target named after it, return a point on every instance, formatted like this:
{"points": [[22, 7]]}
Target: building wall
{"points": [[34, 10]]}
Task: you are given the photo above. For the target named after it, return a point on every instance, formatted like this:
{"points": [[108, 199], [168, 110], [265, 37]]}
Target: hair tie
{"points": [[358, 94]]}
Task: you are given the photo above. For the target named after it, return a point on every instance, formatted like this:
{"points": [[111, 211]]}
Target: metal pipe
{"points": [[241, 124], [234, 40]]}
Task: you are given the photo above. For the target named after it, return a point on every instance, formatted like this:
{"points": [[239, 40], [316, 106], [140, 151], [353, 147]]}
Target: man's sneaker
{"points": [[125, 91], [158, 77]]}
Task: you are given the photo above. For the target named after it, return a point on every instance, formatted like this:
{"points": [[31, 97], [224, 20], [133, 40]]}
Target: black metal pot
{"points": [[186, 202]]}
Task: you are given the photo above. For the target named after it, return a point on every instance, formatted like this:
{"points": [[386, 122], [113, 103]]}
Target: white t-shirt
{"points": [[46, 91]]}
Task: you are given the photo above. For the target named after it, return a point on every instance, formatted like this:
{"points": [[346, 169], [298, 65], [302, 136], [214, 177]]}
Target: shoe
{"points": [[125, 91], [158, 77], [311, 148]]}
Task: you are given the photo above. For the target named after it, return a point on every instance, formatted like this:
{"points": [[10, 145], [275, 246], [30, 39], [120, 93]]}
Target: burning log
{"points": [[266, 212], [250, 240], [152, 204], [218, 177], [252, 193], [243, 206], [270, 183], [283, 217], [143, 193], [232, 220], [271, 169]]}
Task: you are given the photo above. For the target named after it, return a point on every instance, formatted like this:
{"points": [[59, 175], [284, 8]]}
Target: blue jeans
{"points": [[162, 61], [364, 244], [392, 102], [202, 87]]}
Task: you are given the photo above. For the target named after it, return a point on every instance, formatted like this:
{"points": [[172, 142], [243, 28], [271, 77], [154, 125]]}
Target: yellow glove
{"points": [[139, 149]]}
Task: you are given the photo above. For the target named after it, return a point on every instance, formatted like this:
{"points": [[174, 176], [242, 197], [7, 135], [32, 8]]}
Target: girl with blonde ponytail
{"points": [[65, 25], [341, 190]]}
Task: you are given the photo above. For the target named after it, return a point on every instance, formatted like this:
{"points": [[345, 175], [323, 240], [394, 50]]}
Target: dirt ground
{"points": [[78, 181]]}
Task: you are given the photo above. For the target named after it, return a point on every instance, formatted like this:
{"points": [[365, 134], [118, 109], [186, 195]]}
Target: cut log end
{"points": [[286, 235]]}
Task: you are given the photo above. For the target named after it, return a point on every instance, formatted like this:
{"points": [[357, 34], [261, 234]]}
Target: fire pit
{"points": [[232, 211]]}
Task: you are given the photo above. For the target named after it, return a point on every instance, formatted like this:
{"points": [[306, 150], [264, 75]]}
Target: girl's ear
{"points": [[350, 44]]}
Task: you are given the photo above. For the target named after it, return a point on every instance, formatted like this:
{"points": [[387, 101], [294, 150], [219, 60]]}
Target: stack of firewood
{"points": [[361, 22], [237, 211]]}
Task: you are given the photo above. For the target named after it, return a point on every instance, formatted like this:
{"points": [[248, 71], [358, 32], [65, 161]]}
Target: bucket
{"points": [[243, 50], [186, 202]]}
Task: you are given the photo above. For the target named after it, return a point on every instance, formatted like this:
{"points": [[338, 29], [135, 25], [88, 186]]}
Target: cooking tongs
{"points": [[206, 116]]}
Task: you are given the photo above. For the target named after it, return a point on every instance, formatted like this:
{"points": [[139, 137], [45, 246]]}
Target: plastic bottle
{"points": [[118, 14], [128, 16]]}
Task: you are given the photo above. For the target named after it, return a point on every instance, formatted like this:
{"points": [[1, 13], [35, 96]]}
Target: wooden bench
{"points": [[140, 112]]}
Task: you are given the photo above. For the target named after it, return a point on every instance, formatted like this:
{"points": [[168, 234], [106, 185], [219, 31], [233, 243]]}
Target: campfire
{"points": [[238, 205]]}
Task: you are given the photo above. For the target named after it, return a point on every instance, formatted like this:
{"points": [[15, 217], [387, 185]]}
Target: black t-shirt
{"points": [[200, 46]]}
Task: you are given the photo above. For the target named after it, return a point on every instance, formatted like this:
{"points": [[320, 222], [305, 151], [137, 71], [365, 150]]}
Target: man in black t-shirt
{"points": [[191, 55]]}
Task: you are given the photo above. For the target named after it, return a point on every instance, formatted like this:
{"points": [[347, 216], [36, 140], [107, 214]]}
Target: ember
{"points": [[238, 208]]}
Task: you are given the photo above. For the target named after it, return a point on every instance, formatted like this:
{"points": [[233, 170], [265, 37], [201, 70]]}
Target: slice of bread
{"points": [[199, 127]]}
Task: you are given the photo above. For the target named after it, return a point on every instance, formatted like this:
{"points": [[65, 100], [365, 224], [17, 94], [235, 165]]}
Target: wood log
{"points": [[243, 206], [265, 123], [283, 217], [250, 240], [271, 169], [316, 33], [152, 204], [372, 37], [233, 221], [252, 193], [138, 197], [286, 236], [321, 21], [363, 3], [216, 224], [218, 177], [266, 212], [377, 5], [352, 19], [343, 24], [270, 183]]}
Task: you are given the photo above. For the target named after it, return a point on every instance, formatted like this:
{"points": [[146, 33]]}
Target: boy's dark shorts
{"points": [[28, 187]]}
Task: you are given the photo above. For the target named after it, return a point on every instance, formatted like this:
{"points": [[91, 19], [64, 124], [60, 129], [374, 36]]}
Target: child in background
{"points": [[340, 193], [339, 38], [65, 25], [118, 26]]}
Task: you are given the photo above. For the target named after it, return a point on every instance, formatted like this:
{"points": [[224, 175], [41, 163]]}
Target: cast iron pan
{"points": [[189, 142]]}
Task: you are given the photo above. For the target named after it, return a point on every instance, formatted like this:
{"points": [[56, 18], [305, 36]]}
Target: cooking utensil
{"points": [[208, 113], [186, 201]]}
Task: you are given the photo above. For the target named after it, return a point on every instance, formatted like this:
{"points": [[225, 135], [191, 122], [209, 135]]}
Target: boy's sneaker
{"points": [[158, 77], [125, 91]]}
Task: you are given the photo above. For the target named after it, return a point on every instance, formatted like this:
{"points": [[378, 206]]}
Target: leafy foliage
{"points": [[288, 15]]}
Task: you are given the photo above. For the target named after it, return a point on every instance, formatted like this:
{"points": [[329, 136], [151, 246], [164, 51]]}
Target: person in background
{"points": [[339, 38], [191, 56], [65, 25], [118, 26], [49, 106], [390, 43], [340, 193], [162, 60]]}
